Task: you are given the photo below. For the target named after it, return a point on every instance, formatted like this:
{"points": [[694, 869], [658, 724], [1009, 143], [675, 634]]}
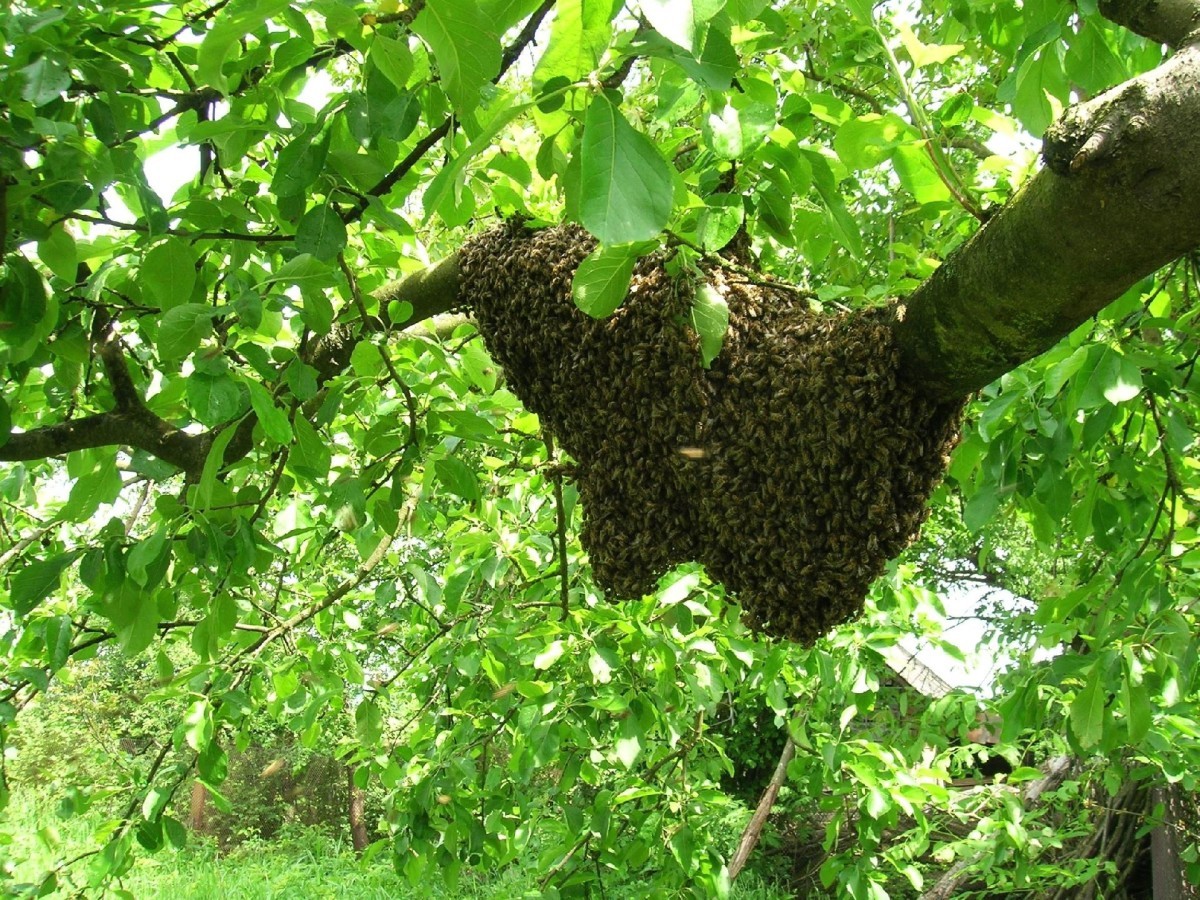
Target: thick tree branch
{"points": [[430, 292], [754, 827], [137, 428], [1171, 22], [130, 424], [1116, 201]]}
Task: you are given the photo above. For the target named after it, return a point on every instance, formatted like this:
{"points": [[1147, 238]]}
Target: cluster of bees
{"points": [[794, 467]]}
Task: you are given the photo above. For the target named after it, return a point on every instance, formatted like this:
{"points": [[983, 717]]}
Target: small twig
{"points": [[839, 85], [142, 228]]}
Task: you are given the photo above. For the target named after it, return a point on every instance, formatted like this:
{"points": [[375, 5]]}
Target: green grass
{"points": [[306, 865]]}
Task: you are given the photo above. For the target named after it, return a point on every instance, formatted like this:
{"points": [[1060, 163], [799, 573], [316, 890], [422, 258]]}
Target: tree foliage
{"points": [[226, 456]]}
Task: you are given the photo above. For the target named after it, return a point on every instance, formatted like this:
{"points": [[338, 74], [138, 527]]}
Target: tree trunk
{"points": [[357, 813], [198, 817]]}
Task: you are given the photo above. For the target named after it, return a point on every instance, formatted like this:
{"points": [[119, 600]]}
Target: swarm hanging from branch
{"points": [[794, 468]]}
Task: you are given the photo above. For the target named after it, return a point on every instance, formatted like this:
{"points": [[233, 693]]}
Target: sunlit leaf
{"points": [[466, 49], [602, 279], [626, 186]]}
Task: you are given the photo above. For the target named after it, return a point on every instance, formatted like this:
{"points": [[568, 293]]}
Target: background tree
{"points": [[224, 444]]}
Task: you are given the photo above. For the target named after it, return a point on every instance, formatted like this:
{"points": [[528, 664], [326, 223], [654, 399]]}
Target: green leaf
{"points": [[919, 175], [368, 722], [312, 277], [1108, 377], [144, 554], [925, 54], [549, 656], [458, 477], [392, 58], [100, 485], [466, 49], [215, 399], [299, 164], [626, 189], [321, 232], [868, 140], [59, 631], [1087, 709], [714, 67], [1139, 714], [981, 507], [739, 127], [1125, 384], [274, 421], [23, 303], [629, 742], [213, 463], [198, 725], [877, 803], [719, 222], [175, 833], [1022, 774], [231, 24], [45, 80], [602, 279], [862, 10], [710, 318], [579, 35], [310, 456], [601, 664], [36, 581], [57, 250], [183, 328], [133, 614], [681, 21], [168, 273], [683, 847], [844, 226], [212, 763]]}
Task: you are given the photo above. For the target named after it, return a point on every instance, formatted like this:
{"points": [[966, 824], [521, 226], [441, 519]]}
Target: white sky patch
{"points": [[986, 655], [317, 89], [171, 168]]}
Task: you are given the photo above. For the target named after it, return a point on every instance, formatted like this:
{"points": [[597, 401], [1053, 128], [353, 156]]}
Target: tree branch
{"points": [[1116, 202], [755, 826], [1175, 23], [130, 423], [423, 146]]}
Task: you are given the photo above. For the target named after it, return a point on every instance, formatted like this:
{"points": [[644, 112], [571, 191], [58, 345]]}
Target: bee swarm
{"points": [[794, 468]]}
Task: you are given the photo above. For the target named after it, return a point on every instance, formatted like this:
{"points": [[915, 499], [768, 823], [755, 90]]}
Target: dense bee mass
{"points": [[794, 468]]}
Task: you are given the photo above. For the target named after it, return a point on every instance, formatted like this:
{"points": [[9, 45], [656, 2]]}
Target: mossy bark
{"points": [[1118, 199]]}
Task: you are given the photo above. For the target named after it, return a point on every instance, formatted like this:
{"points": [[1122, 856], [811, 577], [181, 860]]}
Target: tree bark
{"points": [[755, 826], [198, 813], [1116, 201], [357, 813]]}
